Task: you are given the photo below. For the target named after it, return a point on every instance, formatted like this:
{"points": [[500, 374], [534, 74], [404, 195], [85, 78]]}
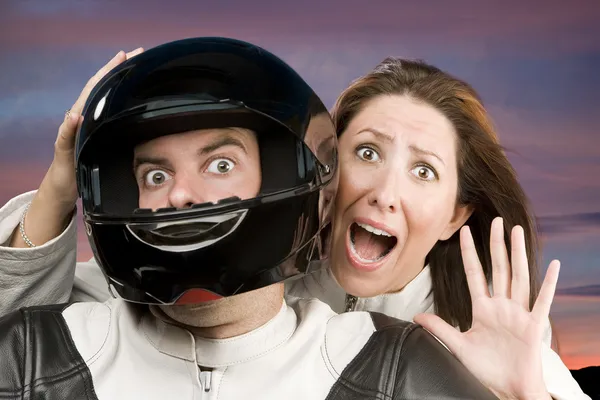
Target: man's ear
{"points": [[460, 217]]}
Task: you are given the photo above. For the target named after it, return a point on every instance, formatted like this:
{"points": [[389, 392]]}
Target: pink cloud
{"points": [[18, 178], [554, 158], [547, 27], [519, 128]]}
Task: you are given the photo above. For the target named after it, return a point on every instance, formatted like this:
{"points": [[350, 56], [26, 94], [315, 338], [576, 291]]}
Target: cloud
{"points": [[576, 323], [17, 178], [540, 27], [555, 155], [573, 223], [581, 291], [25, 140]]}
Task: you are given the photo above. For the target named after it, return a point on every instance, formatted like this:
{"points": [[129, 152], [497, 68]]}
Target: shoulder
{"points": [[93, 325], [380, 356], [346, 337], [89, 324], [348, 334], [319, 284], [36, 347]]}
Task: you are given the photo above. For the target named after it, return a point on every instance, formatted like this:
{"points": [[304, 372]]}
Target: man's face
{"points": [[196, 167]]}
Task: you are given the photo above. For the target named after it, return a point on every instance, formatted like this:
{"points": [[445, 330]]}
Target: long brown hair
{"points": [[486, 180]]}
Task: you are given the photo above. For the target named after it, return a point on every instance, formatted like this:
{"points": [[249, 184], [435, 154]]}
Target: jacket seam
{"points": [[96, 356]]}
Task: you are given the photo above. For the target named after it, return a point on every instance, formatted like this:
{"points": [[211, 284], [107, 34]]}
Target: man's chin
{"points": [[187, 308]]}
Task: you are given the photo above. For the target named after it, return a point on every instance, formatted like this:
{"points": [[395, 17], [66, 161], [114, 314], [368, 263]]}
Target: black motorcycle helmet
{"points": [[224, 248]]}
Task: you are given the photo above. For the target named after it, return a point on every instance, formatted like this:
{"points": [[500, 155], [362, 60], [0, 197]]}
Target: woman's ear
{"points": [[461, 214]]}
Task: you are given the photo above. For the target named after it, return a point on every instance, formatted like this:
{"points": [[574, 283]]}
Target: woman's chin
{"points": [[355, 284]]}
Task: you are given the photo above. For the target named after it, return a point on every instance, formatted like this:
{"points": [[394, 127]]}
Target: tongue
{"points": [[369, 246]]}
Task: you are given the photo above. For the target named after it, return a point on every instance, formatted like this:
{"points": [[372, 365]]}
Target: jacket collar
{"points": [[164, 334]]}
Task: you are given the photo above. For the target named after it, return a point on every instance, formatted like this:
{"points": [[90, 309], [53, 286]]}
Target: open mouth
{"points": [[370, 244]]}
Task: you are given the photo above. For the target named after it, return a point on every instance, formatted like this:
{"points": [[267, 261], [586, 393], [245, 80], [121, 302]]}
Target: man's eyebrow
{"points": [[140, 160], [215, 145], [419, 150], [222, 142]]}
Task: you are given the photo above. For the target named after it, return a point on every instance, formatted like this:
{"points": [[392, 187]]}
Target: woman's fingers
{"points": [[475, 277], [520, 268], [541, 308], [500, 263]]}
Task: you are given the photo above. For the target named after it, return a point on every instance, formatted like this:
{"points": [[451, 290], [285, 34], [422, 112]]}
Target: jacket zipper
{"points": [[205, 381], [350, 302]]}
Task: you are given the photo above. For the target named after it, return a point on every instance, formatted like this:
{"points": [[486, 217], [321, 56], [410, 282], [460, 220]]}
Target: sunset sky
{"points": [[535, 63]]}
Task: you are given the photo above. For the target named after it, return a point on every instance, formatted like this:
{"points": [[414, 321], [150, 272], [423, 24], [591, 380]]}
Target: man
{"points": [[201, 181]]}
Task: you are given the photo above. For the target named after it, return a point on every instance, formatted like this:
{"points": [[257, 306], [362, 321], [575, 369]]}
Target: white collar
{"points": [[416, 297], [213, 353]]}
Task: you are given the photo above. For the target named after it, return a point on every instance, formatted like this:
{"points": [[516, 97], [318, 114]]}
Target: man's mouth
{"points": [[370, 244]]}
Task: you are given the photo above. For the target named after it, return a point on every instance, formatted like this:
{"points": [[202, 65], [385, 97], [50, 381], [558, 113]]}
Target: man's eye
{"points": [[156, 177], [220, 166]]}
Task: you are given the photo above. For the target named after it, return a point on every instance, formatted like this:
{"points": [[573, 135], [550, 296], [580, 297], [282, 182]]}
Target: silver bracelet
{"points": [[22, 228]]}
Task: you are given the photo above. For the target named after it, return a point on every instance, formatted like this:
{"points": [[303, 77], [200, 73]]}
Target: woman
{"points": [[415, 149], [410, 117]]}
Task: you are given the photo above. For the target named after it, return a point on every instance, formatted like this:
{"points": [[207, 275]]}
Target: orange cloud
{"points": [[576, 326]]}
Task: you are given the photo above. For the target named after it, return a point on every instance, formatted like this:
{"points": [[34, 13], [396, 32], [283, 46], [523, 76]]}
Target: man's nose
{"points": [[184, 193]]}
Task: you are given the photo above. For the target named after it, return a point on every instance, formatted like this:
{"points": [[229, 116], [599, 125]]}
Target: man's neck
{"points": [[227, 317]]}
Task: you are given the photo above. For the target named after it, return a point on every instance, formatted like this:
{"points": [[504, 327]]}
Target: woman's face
{"points": [[397, 194]]}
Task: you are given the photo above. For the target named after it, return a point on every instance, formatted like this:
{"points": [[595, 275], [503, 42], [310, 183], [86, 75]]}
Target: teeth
{"points": [[373, 230]]}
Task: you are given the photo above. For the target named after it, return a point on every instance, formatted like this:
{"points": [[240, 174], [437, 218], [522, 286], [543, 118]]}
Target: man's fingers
{"points": [[116, 60], [134, 53], [93, 81], [65, 141]]}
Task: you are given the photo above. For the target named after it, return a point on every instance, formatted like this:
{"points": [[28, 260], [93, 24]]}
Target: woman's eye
{"points": [[424, 173], [367, 154], [156, 177], [220, 166]]}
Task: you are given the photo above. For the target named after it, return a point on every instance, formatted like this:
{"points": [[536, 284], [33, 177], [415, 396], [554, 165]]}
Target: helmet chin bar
{"points": [[189, 296], [112, 283], [189, 234]]}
